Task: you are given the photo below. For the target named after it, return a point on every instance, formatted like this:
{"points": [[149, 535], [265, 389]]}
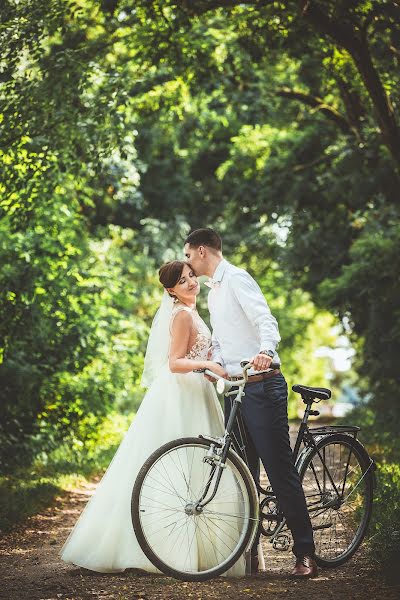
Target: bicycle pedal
{"points": [[281, 542]]}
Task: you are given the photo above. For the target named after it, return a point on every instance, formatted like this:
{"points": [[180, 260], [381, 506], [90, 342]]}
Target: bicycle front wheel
{"points": [[177, 537], [338, 485]]}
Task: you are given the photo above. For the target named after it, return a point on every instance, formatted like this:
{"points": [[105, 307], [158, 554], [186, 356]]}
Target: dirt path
{"points": [[31, 570]]}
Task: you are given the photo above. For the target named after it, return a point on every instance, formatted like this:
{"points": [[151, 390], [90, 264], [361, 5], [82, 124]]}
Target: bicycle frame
{"points": [[218, 458]]}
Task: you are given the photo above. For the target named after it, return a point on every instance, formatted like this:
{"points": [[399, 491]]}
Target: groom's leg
{"points": [[264, 410]]}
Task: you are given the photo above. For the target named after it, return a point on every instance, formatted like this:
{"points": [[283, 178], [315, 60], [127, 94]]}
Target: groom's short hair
{"points": [[204, 237]]}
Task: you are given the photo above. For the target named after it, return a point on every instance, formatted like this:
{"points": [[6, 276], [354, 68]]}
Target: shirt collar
{"points": [[219, 271]]}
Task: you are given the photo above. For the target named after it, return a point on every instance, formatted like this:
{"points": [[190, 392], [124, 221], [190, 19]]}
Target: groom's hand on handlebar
{"points": [[261, 362]]}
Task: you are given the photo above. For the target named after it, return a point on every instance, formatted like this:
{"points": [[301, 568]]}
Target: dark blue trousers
{"points": [[264, 412]]}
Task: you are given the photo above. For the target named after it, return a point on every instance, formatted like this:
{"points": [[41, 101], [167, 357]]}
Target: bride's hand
{"points": [[217, 369]]}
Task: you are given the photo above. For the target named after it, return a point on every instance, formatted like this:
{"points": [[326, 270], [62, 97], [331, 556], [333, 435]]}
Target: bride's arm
{"points": [[180, 335]]}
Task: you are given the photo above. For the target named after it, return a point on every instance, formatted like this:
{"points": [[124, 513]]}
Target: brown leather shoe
{"points": [[305, 567]]}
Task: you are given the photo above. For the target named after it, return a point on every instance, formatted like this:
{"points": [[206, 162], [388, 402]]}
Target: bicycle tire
{"points": [[357, 450], [249, 531]]}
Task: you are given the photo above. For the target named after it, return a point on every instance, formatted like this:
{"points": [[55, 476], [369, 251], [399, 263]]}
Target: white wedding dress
{"points": [[176, 405]]}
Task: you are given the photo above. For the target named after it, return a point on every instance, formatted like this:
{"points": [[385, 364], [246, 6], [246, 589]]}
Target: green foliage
{"points": [[46, 313], [385, 528], [384, 531], [29, 489], [74, 324], [368, 291]]}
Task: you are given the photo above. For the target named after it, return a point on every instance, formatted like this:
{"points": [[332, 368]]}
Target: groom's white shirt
{"points": [[240, 317]]}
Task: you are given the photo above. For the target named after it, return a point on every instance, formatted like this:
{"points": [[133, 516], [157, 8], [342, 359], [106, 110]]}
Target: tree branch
{"points": [[313, 163], [318, 104]]}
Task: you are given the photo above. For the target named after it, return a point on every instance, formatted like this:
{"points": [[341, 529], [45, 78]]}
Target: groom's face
{"points": [[195, 256]]}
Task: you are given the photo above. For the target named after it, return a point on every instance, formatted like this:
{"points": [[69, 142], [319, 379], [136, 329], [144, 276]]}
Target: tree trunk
{"points": [[348, 38], [383, 109]]}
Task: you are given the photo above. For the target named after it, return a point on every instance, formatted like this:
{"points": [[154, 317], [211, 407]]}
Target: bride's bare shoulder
{"points": [[181, 317]]}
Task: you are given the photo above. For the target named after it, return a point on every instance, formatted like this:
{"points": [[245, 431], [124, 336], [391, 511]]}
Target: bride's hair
{"points": [[171, 272]]}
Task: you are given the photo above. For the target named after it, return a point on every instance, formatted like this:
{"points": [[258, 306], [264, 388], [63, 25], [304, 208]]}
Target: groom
{"points": [[244, 328]]}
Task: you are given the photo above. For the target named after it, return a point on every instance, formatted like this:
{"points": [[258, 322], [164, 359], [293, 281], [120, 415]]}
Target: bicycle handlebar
{"points": [[227, 384], [246, 363]]}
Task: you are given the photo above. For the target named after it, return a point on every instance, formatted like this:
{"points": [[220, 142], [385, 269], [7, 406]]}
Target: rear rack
{"points": [[327, 429]]}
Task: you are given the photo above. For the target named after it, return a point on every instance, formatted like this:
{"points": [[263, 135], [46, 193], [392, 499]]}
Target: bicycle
{"points": [[198, 494]]}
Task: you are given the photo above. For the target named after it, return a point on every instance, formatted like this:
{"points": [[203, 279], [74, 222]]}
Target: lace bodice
{"points": [[201, 335]]}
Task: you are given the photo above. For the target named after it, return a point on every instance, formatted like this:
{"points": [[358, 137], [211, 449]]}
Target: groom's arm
{"points": [[254, 305]]}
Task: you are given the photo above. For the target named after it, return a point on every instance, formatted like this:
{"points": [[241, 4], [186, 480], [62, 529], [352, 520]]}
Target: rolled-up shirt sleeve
{"points": [[254, 305]]}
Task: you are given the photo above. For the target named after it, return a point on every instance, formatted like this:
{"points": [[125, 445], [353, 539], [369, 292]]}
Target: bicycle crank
{"points": [[269, 516], [281, 542]]}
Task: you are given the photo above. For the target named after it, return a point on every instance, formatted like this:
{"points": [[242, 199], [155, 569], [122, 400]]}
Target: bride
{"points": [[178, 403]]}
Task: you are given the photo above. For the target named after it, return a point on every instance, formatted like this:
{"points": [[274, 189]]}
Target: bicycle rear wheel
{"points": [[181, 541], [338, 485]]}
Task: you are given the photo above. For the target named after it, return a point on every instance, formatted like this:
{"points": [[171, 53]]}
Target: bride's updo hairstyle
{"points": [[170, 273]]}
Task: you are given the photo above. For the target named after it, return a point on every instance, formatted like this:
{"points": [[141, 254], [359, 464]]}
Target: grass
{"points": [[383, 540], [384, 534], [30, 489]]}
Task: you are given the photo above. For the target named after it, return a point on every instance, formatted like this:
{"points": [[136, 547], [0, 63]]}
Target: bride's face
{"points": [[187, 287]]}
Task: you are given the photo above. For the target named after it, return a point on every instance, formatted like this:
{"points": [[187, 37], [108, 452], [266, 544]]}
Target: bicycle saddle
{"points": [[309, 393]]}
